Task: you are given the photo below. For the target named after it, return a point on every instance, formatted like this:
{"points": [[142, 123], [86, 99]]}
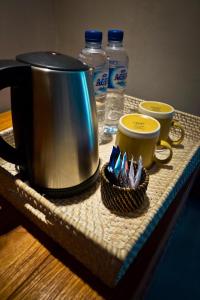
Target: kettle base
{"points": [[71, 191]]}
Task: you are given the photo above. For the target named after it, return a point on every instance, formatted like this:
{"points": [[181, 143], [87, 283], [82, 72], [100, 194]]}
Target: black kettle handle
{"points": [[12, 74]]}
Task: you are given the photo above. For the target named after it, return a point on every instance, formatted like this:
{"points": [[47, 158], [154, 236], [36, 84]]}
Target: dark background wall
{"points": [[161, 37], [25, 25]]}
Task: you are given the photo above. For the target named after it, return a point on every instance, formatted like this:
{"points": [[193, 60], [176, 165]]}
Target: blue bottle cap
{"points": [[94, 36], [115, 35]]}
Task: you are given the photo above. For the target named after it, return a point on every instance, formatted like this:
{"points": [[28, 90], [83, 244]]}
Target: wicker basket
{"points": [[104, 242], [122, 200]]}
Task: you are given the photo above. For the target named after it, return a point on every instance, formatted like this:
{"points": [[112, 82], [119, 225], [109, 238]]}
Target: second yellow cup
{"points": [[164, 113], [139, 135]]}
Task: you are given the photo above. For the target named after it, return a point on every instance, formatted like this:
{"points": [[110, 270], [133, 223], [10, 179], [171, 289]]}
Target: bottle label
{"points": [[100, 82], [117, 78]]}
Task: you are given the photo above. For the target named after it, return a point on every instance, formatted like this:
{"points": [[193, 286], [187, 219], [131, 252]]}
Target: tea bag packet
{"points": [[125, 161], [139, 172], [123, 175], [113, 157], [117, 166], [111, 164], [131, 175]]}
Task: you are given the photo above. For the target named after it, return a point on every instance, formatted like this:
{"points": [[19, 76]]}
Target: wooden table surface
{"points": [[32, 266]]}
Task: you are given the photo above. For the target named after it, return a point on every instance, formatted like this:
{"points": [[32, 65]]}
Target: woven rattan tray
{"points": [[104, 242]]}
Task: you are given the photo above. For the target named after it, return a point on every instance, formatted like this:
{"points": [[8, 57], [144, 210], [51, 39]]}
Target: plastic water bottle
{"points": [[118, 69], [94, 56]]}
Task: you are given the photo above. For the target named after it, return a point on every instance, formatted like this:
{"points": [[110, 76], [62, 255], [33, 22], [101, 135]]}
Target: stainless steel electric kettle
{"points": [[54, 122]]}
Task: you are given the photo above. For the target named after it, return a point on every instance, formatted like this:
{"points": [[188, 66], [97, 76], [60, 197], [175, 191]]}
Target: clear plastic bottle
{"points": [[118, 69], [94, 56]]}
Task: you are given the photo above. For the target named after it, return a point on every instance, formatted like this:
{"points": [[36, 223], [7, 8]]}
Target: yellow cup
{"points": [[138, 135], [164, 114]]}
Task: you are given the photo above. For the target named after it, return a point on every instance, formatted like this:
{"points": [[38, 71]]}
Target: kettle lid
{"points": [[52, 60]]}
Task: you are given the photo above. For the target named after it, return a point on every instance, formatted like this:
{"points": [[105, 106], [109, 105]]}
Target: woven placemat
{"points": [[103, 241]]}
